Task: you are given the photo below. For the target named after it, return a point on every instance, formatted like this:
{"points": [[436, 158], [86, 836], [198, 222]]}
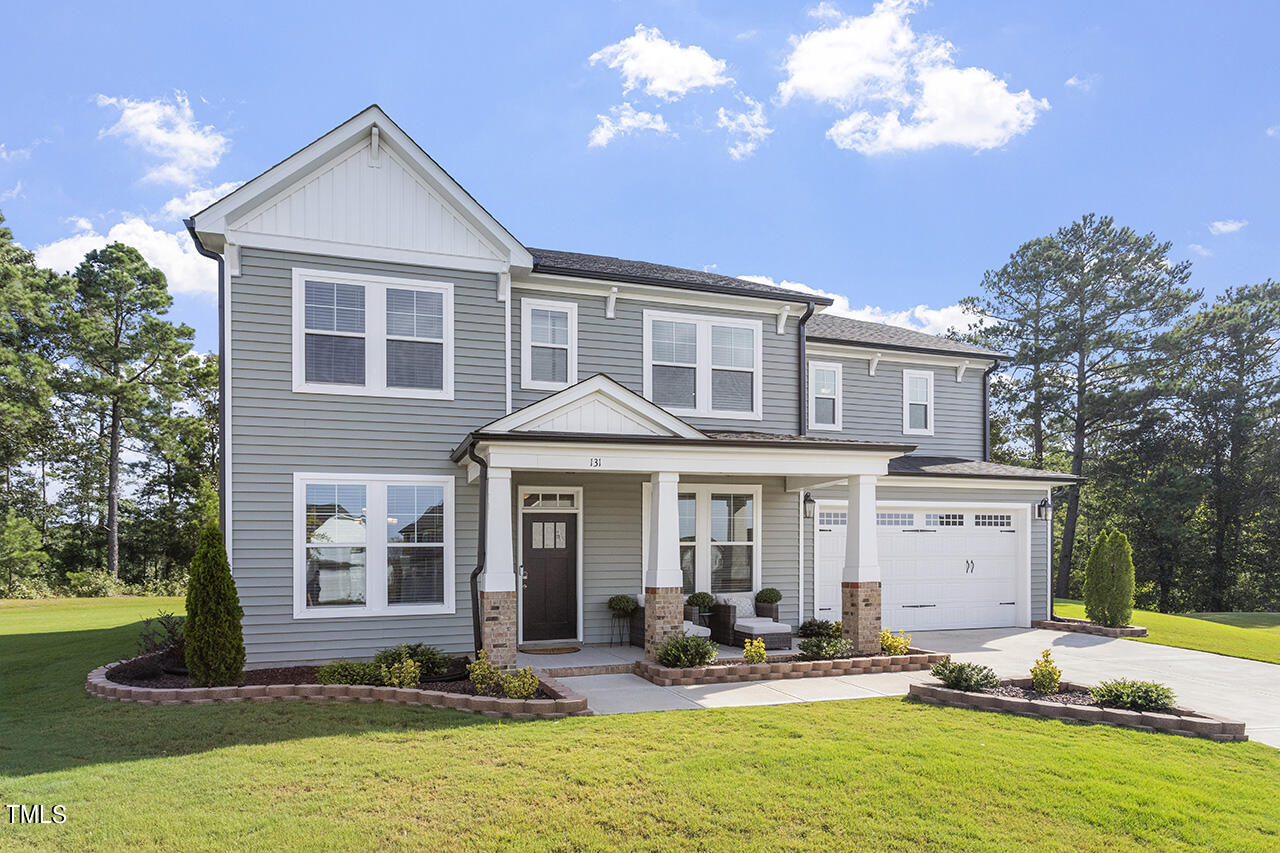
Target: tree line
{"points": [[1167, 404], [109, 453]]}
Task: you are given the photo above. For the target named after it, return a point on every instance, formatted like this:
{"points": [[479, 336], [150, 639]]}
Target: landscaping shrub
{"points": [[521, 684], [824, 648], [483, 674], [753, 651], [964, 676], [406, 672], [680, 650], [431, 661], [1045, 675], [891, 645], [623, 605], [350, 672], [1108, 581], [92, 584], [165, 633], [215, 642], [1133, 695], [768, 595], [701, 600], [819, 628]]}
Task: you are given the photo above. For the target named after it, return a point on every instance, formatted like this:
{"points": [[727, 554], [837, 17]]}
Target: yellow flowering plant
{"points": [[753, 651]]}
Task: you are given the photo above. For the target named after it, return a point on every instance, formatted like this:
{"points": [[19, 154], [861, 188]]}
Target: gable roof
{"points": [[832, 328], [251, 204], [578, 265]]}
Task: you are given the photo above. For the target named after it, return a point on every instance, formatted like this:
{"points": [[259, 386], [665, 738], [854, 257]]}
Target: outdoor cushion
{"points": [[696, 630], [744, 601], [761, 626]]}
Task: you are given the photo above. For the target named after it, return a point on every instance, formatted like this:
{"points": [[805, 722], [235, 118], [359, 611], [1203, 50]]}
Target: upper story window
{"points": [[917, 402], [348, 563], [372, 335], [703, 366], [826, 398], [548, 344]]}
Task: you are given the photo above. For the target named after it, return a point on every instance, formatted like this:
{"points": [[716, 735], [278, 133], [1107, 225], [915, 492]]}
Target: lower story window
{"points": [[349, 563], [718, 537]]}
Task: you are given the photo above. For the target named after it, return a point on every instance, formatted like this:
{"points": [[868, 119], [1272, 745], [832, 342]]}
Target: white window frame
{"points": [[907, 376], [702, 540], [527, 306], [703, 368], [814, 367], [375, 546], [375, 335]]}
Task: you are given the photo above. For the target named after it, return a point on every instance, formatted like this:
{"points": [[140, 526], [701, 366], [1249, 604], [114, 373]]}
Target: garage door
{"points": [[941, 567]]}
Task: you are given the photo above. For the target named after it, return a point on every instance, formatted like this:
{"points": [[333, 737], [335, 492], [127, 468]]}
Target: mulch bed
{"points": [[142, 672], [1077, 697]]}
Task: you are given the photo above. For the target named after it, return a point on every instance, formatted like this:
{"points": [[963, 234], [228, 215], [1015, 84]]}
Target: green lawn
{"points": [[1239, 635], [870, 774]]}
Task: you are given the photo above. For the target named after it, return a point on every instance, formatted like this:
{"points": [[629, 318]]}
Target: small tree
{"points": [[20, 554], [215, 642], [1108, 580]]}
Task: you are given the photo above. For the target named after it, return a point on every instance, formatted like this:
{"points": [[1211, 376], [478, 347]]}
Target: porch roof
{"points": [[953, 466]]}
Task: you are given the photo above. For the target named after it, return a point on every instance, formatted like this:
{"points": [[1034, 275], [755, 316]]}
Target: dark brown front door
{"points": [[550, 576]]}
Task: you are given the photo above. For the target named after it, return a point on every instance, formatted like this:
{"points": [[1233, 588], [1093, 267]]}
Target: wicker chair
{"points": [[730, 630]]}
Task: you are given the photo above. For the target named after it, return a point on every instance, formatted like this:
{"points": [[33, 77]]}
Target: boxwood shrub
{"points": [[819, 628], [430, 660], [350, 672], [681, 650], [1133, 695], [964, 676], [824, 648], [701, 600], [768, 595]]}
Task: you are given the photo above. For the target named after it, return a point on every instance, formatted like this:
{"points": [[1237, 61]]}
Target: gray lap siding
{"points": [[276, 432]]}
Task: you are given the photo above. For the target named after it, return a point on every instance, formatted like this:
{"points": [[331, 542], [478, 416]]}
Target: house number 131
{"points": [[594, 462]]}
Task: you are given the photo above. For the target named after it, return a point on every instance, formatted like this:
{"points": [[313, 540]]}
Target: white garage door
{"points": [[940, 567]]}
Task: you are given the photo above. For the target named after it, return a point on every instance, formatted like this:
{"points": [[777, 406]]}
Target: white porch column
{"points": [[498, 580], [663, 581], [860, 586]]}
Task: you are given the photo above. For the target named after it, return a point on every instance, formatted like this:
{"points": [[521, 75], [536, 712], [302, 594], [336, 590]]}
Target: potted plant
{"points": [[697, 607], [767, 603]]}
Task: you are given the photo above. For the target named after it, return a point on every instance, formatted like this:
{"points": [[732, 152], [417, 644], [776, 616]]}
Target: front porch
{"points": [[636, 501]]}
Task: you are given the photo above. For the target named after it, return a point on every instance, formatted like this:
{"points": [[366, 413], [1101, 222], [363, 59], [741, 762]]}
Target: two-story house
{"points": [[418, 407]]}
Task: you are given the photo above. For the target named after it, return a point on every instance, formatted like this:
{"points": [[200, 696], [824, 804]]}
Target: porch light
{"points": [[1042, 510], [808, 505]]}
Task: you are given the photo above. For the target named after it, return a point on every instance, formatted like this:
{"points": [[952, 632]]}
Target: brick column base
{"points": [[498, 627], [663, 616], [861, 615]]}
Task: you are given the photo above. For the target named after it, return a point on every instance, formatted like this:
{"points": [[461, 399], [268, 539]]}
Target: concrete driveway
{"points": [[1228, 687], [1237, 689]]}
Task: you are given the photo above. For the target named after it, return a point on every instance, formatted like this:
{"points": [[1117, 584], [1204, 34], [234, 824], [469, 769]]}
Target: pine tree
{"points": [[215, 641]]}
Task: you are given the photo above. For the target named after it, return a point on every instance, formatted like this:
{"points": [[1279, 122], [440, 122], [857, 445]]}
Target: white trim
{"points": [[873, 355], [611, 304], [224, 367], [814, 367], [702, 538], [1022, 575], [527, 307], [624, 397], [415, 257], [907, 376], [506, 337], [872, 363], [782, 318], [375, 335], [375, 546], [800, 552], [703, 367], [914, 480], [671, 294], [960, 369], [520, 514]]}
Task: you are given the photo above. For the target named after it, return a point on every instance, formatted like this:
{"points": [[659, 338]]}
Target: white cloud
{"points": [[825, 11], [167, 129], [180, 207], [622, 120], [1200, 250], [748, 128], [1274, 130], [80, 223], [1083, 83], [922, 318], [1226, 226], [172, 253], [13, 192], [8, 155], [903, 90], [663, 68]]}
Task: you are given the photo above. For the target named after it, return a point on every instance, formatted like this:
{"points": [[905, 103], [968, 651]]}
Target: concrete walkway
{"points": [[1228, 687]]}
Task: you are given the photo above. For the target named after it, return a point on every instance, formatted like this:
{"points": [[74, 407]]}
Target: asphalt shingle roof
{"points": [[831, 327], [954, 466], [618, 269]]}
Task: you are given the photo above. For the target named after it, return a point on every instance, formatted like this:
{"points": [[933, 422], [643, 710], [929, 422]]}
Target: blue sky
{"points": [[887, 153]]}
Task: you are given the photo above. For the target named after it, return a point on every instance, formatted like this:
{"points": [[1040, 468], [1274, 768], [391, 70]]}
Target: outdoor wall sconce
{"points": [[808, 505]]}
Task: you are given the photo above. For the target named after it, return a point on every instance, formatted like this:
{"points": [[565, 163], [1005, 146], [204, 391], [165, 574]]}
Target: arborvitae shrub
{"points": [[215, 643]]}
